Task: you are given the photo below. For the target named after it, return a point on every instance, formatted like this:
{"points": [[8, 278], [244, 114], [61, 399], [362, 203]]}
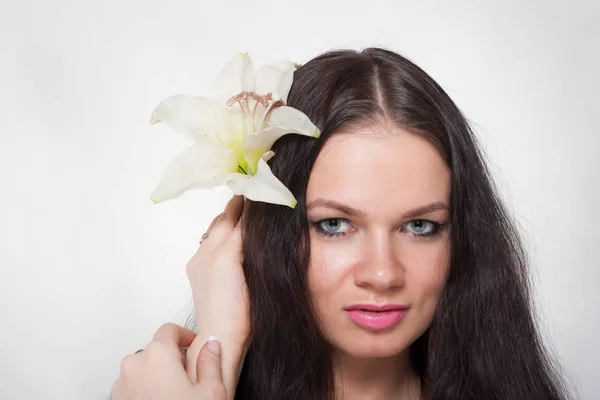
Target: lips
{"points": [[373, 307], [376, 317]]}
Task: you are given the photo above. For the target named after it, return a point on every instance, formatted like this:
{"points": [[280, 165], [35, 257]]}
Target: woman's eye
{"points": [[423, 227], [340, 227], [332, 226]]}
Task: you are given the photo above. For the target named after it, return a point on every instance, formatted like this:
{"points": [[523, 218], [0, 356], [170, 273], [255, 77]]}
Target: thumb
{"points": [[208, 367]]}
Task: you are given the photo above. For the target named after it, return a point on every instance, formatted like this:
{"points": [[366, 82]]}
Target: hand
{"points": [[157, 373], [221, 295]]}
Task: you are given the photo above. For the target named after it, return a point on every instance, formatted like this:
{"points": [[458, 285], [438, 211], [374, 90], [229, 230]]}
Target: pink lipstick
{"points": [[376, 317]]}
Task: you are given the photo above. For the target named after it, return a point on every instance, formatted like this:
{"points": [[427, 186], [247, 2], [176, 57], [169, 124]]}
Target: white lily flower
{"points": [[233, 133]]}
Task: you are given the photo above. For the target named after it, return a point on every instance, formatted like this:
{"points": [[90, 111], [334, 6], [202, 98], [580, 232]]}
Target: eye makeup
{"points": [[337, 227]]}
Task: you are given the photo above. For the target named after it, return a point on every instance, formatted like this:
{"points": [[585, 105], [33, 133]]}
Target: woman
{"points": [[398, 276]]}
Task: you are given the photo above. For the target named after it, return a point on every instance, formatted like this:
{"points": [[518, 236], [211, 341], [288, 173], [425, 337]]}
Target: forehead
{"points": [[374, 169]]}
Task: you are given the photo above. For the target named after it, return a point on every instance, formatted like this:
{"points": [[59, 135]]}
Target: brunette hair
{"points": [[484, 341]]}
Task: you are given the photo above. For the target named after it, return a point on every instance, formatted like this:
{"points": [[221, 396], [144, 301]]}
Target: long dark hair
{"points": [[484, 341]]}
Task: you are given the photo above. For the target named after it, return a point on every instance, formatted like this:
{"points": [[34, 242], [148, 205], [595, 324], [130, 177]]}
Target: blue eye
{"points": [[331, 226], [422, 227]]}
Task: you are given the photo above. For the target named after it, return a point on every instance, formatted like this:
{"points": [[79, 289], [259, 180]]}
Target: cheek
{"points": [[330, 266], [426, 270], [330, 275], [330, 283]]}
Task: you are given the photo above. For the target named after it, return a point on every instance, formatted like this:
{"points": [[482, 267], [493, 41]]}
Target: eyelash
{"points": [[437, 228]]}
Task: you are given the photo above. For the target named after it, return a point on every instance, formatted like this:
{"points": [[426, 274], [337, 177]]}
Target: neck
{"points": [[375, 378]]}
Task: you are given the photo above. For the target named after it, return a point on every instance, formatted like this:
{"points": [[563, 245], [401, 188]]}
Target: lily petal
{"points": [[263, 186], [237, 76], [282, 121], [256, 145], [204, 165], [195, 117], [275, 78], [293, 120], [233, 128]]}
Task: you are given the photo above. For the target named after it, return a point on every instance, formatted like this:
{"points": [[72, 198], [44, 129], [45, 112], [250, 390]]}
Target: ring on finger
{"points": [[204, 237]]}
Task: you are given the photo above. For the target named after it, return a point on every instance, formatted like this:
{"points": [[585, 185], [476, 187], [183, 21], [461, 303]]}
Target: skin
{"points": [[383, 173], [158, 373], [216, 277]]}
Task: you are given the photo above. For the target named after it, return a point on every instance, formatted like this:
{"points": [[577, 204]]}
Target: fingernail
{"points": [[214, 345]]}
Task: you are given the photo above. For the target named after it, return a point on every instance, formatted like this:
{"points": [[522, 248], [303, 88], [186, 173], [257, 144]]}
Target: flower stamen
{"points": [[268, 101], [237, 98], [272, 105], [242, 100], [263, 100]]}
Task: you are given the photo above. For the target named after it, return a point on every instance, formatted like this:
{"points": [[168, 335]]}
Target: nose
{"points": [[380, 267]]}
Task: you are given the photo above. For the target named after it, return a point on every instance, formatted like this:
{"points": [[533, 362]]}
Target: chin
{"points": [[372, 345]]}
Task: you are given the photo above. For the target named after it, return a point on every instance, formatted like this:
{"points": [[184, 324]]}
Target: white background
{"points": [[90, 267]]}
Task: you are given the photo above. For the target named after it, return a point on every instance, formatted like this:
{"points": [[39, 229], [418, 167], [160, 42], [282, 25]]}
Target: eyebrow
{"points": [[415, 212]]}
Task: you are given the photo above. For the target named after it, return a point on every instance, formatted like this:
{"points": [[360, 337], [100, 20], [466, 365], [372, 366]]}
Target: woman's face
{"points": [[378, 205]]}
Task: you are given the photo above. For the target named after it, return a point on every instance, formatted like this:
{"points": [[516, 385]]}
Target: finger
{"points": [[208, 366], [241, 215], [232, 212], [175, 335], [228, 220], [117, 390], [210, 228], [236, 236], [214, 222]]}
